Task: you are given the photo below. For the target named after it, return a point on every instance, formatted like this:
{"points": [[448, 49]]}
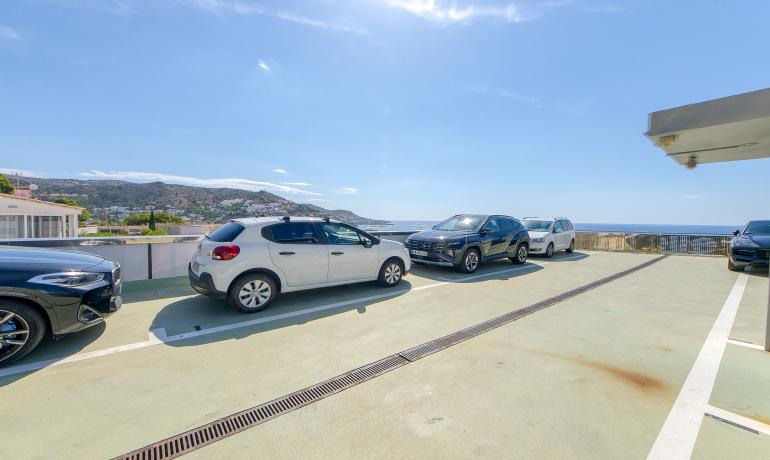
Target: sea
{"points": [[411, 225]]}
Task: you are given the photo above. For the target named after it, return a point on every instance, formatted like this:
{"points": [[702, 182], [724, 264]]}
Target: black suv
{"points": [[57, 292], [466, 240]]}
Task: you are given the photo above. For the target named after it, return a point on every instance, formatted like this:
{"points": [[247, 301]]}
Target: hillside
{"points": [[113, 200]]}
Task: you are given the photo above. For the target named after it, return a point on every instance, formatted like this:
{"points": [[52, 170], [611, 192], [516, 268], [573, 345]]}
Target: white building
{"points": [[22, 217]]}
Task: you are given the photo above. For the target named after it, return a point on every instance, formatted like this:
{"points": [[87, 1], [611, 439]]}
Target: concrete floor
{"points": [[591, 377]]}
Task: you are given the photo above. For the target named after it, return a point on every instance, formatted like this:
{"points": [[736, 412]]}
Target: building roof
{"points": [[32, 200]]}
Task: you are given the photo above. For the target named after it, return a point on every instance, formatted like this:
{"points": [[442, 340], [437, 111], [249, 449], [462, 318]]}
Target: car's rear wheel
{"points": [[549, 251], [732, 267], [391, 273], [470, 261], [21, 329], [571, 247], [521, 255], [253, 293]]}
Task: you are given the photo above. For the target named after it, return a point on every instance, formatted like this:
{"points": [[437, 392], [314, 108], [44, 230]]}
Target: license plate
{"points": [[417, 252]]}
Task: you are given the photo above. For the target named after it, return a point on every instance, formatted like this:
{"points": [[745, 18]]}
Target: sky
{"points": [[394, 109]]}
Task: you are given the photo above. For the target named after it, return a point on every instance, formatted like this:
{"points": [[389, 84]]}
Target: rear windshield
{"points": [[226, 233]]}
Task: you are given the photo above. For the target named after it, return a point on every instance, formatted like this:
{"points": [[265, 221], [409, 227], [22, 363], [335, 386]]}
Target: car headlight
{"points": [[538, 240], [746, 243], [68, 279]]}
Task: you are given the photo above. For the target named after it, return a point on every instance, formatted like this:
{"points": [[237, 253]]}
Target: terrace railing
{"points": [[654, 243]]}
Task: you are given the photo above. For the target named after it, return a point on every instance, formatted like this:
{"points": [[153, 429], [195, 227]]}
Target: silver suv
{"points": [[550, 234]]}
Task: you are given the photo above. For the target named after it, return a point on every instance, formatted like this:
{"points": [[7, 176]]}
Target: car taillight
{"points": [[225, 252]]}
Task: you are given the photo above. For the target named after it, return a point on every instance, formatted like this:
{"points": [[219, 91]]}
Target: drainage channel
{"points": [[204, 435]]}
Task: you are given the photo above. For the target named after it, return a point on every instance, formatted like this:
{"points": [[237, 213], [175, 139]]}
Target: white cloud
{"points": [[241, 184], [297, 184], [23, 172], [506, 95], [279, 171], [691, 197], [220, 7], [449, 12], [319, 200], [9, 33], [348, 190], [263, 65]]}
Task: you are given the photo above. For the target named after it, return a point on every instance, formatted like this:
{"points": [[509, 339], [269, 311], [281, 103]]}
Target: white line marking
{"points": [[739, 419], [158, 336], [677, 437], [746, 344]]}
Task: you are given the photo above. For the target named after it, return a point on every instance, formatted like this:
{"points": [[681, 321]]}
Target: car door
{"points": [[519, 233], [562, 236], [508, 229], [557, 235], [296, 249], [493, 238], [350, 259]]}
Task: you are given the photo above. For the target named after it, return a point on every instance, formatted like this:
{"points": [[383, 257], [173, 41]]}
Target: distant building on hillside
{"points": [[23, 217]]}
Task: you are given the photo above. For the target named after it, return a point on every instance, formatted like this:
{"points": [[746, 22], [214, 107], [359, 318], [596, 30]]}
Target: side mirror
{"points": [[736, 233], [485, 231], [366, 242]]}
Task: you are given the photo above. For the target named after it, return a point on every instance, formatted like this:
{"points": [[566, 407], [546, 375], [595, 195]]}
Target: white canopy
{"points": [[727, 129]]}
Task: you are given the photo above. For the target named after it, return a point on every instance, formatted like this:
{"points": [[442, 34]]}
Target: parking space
{"points": [[594, 376]]}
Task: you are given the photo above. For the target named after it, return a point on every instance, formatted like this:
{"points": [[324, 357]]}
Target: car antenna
{"points": [[286, 219]]}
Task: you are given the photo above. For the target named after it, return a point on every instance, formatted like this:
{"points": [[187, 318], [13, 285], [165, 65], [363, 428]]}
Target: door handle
{"points": [[287, 253], [337, 253]]}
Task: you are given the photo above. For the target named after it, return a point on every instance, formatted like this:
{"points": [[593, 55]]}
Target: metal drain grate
{"points": [[428, 348], [196, 438]]}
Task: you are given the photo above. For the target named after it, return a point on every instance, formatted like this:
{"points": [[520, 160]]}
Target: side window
{"points": [[557, 226], [492, 226], [568, 225], [506, 225], [340, 234], [519, 226], [291, 233]]}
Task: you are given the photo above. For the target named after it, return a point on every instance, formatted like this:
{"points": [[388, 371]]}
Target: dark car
{"points": [[750, 246], [466, 240], [56, 292]]}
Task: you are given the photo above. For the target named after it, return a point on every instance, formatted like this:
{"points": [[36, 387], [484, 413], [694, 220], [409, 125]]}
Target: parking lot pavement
{"points": [[573, 361]]}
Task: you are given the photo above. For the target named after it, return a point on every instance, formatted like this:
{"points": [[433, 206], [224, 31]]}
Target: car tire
{"points": [[18, 316], [571, 247], [732, 267], [391, 273], [470, 261], [549, 251], [253, 292], [522, 252]]}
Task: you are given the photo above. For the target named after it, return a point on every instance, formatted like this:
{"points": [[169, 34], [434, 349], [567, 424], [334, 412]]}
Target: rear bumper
{"points": [[203, 284]]}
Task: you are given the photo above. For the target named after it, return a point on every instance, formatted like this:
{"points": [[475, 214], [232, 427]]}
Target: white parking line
{"points": [[755, 425], [677, 437], [158, 336], [746, 344]]}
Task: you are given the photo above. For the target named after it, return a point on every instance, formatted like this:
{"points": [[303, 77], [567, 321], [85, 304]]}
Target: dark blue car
{"points": [[751, 246], [466, 240]]}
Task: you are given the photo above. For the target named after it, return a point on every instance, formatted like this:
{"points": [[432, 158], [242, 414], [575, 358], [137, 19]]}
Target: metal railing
{"points": [[654, 243]]}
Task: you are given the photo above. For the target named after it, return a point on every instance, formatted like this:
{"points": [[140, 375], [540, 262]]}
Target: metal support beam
{"points": [[767, 319]]}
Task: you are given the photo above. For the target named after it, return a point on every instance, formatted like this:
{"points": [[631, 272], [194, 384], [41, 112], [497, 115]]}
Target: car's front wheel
{"points": [[391, 273], [470, 261], [732, 267], [549, 251], [521, 255], [253, 293], [21, 330]]}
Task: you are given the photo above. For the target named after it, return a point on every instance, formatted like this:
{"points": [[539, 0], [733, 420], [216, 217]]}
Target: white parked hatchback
{"points": [[549, 234], [250, 261]]}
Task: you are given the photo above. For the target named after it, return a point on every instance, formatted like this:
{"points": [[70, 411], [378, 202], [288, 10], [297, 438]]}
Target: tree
{"points": [[152, 220], [5, 185], [84, 216], [160, 218]]}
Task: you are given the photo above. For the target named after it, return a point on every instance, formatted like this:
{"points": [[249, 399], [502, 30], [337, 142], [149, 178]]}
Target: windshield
{"points": [[758, 228], [538, 225], [459, 223]]}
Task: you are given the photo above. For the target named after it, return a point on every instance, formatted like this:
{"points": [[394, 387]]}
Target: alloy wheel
{"points": [[392, 273], [14, 333], [522, 254], [471, 261], [254, 293]]}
